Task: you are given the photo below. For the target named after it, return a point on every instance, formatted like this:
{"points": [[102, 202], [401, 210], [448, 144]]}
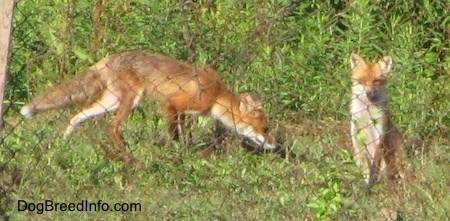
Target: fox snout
{"points": [[259, 137], [265, 141], [249, 145], [255, 145], [377, 95], [371, 94]]}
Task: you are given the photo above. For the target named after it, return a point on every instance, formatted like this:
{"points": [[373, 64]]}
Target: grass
{"points": [[175, 182]]}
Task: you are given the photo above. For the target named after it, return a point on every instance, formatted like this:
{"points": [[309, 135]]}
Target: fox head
{"points": [[254, 125], [371, 76]]}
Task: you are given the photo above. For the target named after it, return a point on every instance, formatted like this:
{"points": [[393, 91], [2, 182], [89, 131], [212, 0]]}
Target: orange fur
{"points": [[377, 145], [123, 79]]}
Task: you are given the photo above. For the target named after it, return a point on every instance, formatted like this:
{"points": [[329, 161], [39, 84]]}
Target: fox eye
{"points": [[377, 81]]}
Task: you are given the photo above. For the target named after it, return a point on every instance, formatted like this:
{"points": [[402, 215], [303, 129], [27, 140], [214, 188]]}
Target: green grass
{"points": [[175, 182], [294, 55]]}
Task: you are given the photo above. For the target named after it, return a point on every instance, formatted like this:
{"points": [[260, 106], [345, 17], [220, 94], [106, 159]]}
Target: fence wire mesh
{"points": [[275, 74]]}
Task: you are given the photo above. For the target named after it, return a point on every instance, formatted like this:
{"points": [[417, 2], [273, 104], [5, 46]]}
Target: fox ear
{"points": [[385, 64], [355, 60], [250, 103]]}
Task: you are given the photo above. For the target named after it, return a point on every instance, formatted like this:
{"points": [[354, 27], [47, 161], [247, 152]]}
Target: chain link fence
{"points": [[295, 55]]}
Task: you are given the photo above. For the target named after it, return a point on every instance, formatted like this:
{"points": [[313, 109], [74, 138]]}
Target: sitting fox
{"points": [[123, 79], [377, 145]]}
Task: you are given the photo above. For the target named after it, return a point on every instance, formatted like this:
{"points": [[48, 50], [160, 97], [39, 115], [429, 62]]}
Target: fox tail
{"points": [[69, 92]]}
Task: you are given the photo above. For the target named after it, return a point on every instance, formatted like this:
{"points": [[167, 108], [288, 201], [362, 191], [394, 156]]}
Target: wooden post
{"points": [[6, 16]]}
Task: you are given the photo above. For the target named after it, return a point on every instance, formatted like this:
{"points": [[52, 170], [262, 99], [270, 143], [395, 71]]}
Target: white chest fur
{"points": [[366, 123]]}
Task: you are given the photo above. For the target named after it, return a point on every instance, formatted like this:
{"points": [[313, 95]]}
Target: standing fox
{"points": [[377, 145], [124, 79]]}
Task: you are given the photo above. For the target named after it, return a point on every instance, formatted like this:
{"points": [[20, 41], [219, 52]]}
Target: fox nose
{"points": [[278, 149], [370, 94]]}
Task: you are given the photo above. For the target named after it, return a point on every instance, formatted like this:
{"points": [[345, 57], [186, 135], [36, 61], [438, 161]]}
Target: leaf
{"points": [[81, 54]]}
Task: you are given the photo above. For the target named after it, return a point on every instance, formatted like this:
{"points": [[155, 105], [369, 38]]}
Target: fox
{"points": [[120, 81], [377, 144]]}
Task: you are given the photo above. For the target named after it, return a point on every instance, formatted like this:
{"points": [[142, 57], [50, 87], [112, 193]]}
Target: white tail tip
{"points": [[68, 133], [27, 111]]}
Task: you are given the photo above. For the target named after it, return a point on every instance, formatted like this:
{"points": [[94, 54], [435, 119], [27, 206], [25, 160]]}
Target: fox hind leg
{"points": [[127, 103], [108, 102]]}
